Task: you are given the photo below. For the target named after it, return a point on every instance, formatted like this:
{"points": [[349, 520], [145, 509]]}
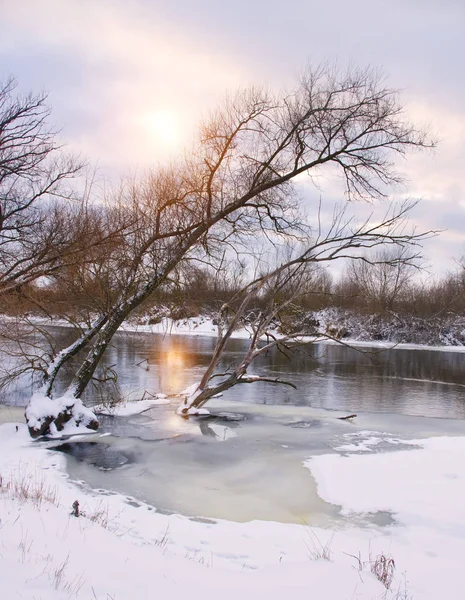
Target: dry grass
{"points": [[316, 549], [200, 559], [402, 591], [100, 515], [59, 573], [25, 487], [108, 596], [383, 568], [72, 587], [163, 541], [360, 563], [25, 546]]}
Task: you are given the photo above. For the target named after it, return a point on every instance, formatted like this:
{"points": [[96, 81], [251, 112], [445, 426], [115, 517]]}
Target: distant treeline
{"points": [[366, 289]]}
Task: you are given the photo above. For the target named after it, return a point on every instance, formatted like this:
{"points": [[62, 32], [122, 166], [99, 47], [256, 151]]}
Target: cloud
{"points": [[129, 79], [117, 74]]}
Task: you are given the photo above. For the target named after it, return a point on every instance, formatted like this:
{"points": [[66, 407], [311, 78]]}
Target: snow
{"points": [[189, 390], [127, 409], [329, 319], [41, 407], [115, 550], [400, 345], [424, 490], [405, 331], [198, 411], [189, 394], [400, 482], [129, 551], [201, 325], [192, 411]]}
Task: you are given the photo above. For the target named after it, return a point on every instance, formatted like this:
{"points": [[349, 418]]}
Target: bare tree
{"points": [[382, 277], [264, 302], [34, 172], [237, 183]]}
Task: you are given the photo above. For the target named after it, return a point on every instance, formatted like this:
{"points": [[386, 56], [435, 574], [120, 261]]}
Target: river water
{"points": [[245, 462]]}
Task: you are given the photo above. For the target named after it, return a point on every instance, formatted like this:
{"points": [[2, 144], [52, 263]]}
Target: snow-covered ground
{"points": [[122, 549], [201, 325]]}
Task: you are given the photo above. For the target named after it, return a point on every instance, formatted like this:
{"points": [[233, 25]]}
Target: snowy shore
{"points": [[122, 549], [357, 331], [204, 326]]}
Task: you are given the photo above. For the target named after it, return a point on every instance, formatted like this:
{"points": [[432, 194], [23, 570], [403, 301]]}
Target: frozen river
{"points": [[245, 462]]}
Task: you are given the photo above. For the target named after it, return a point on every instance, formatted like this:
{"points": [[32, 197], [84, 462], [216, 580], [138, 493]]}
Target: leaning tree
{"points": [[268, 305], [237, 183]]}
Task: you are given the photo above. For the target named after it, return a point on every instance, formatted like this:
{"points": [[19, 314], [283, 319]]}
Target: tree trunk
{"points": [[87, 368], [69, 352]]}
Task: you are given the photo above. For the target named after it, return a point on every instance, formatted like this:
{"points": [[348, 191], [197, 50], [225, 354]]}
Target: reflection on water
{"points": [[415, 382], [326, 376], [246, 462]]}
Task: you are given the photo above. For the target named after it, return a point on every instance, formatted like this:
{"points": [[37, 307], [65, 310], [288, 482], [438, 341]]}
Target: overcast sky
{"points": [[128, 80]]}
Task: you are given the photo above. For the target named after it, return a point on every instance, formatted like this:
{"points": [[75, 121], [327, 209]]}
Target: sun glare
{"points": [[163, 128], [174, 358]]}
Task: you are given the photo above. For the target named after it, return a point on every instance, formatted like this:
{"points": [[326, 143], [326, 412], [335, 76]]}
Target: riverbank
{"points": [[203, 325], [387, 331], [348, 327], [120, 548]]}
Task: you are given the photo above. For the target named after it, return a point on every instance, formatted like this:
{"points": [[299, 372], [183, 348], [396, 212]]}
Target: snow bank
{"points": [[115, 550], [447, 334], [195, 411], [439, 332], [354, 329], [424, 489], [201, 325], [189, 394], [129, 551], [58, 417]]}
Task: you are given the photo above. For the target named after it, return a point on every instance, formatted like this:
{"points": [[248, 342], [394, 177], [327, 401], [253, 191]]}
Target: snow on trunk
{"points": [[189, 395], [61, 416]]}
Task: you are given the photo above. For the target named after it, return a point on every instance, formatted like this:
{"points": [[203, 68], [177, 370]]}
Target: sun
{"points": [[162, 126]]}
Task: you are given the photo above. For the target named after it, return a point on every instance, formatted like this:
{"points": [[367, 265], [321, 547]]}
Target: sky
{"points": [[129, 80]]}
